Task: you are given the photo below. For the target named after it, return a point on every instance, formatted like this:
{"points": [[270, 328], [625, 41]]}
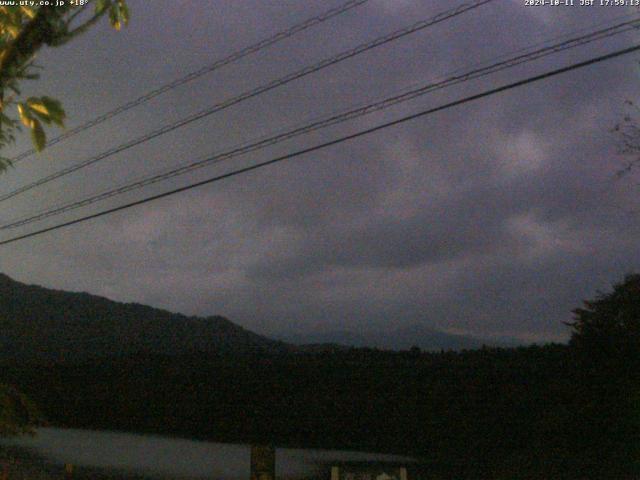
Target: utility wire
{"points": [[267, 141], [253, 93], [234, 57], [336, 141], [332, 120], [508, 55]]}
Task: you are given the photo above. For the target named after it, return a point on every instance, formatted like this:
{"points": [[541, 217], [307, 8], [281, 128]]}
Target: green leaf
{"points": [[39, 109], [114, 17], [124, 12], [102, 5], [118, 14], [12, 30], [25, 115], [47, 109], [38, 136], [30, 12], [56, 111]]}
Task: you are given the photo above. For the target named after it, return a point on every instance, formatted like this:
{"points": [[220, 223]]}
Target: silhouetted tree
{"points": [[608, 328], [606, 346], [628, 133]]}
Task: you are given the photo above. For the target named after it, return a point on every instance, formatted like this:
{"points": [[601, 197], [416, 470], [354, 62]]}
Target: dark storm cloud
{"points": [[497, 217]]}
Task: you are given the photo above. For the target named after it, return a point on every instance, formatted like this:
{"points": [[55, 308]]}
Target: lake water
{"points": [[164, 456]]}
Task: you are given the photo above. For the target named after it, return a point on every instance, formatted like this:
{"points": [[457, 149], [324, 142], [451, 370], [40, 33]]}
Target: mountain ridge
{"points": [[398, 338], [41, 323]]}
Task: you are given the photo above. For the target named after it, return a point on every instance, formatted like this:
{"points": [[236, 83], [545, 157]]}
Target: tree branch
{"points": [[35, 33]]}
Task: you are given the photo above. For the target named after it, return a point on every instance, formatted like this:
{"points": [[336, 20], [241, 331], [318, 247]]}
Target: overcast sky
{"points": [[493, 218]]}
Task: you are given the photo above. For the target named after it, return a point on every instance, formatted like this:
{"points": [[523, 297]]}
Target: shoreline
{"points": [[24, 463]]}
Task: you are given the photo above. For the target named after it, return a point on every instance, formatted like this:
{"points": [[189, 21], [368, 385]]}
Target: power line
{"points": [[508, 56], [333, 120], [253, 93], [349, 115], [234, 57], [324, 145]]}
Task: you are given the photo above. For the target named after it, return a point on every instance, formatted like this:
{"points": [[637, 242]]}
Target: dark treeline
{"points": [[555, 411], [489, 413]]}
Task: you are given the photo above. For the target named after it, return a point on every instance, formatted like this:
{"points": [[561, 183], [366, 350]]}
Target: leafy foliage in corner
{"points": [[36, 111], [18, 414], [23, 31]]}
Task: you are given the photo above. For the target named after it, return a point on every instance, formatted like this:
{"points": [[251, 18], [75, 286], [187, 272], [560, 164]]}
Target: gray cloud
{"points": [[497, 217]]}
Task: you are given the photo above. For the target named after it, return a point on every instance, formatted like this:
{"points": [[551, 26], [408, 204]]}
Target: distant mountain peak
{"points": [[404, 337]]}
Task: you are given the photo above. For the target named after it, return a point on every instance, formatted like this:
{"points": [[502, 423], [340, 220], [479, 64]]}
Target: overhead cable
{"points": [[330, 121], [234, 57], [250, 94], [327, 144]]}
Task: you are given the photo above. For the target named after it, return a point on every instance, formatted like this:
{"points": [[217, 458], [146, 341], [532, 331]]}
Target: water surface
{"points": [[165, 456]]}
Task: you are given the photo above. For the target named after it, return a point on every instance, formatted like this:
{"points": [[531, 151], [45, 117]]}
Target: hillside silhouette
{"points": [[40, 323]]}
